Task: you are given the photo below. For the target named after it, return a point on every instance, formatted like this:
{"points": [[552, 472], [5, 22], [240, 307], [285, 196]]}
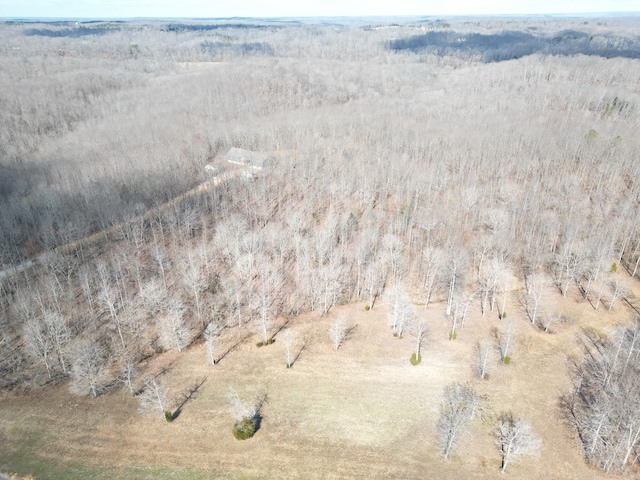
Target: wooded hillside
{"points": [[464, 164]]}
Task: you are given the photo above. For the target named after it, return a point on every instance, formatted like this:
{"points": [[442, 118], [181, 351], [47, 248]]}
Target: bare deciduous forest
{"points": [[435, 276]]}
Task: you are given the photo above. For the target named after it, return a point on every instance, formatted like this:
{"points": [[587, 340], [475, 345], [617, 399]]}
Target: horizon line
{"points": [[238, 17]]}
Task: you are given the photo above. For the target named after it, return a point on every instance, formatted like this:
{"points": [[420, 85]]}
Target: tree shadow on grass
{"points": [[257, 416], [304, 346], [187, 396], [349, 332], [280, 328], [165, 369], [234, 345]]}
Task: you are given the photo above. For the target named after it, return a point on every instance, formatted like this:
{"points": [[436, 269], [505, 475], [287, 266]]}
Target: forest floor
{"points": [[360, 412]]}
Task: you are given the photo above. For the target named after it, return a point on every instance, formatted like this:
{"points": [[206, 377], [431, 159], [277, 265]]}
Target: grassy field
{"points": [[361, 412]]}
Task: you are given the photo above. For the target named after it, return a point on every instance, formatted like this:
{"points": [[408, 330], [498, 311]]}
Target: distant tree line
{"points": [[511, 45], [205, 27], [74, 32], [236, 49]]}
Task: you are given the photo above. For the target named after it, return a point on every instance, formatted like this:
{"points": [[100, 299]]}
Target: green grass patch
{"points": [[415, 360]]}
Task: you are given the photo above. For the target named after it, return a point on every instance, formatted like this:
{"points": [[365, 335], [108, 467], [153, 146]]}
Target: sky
{"points": [[301, 8]]}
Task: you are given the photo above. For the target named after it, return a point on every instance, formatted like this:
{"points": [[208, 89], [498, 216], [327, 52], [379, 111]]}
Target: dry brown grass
{"points": [[360, 412]]}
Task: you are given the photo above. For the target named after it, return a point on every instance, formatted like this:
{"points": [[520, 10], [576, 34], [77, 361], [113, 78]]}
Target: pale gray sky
{"points": [[296, 8]]}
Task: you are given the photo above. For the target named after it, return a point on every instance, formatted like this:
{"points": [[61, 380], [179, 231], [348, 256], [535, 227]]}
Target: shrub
{"points": [[244, 429], [168, 416], [504, 315], [415, 361], [270, 341], [506, 360], [260, 344], [614, 268], [367, 308], [453, 335]]}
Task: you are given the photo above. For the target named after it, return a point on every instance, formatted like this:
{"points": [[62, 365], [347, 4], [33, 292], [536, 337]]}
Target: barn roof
{"points": [[248, 157]]}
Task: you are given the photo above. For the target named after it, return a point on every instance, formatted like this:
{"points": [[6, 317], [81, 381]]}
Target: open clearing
{"points": [[361, 412]]}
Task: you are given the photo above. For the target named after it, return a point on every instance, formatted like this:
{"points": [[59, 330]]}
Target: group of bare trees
{"points": [[514, 436], [603, 405]]}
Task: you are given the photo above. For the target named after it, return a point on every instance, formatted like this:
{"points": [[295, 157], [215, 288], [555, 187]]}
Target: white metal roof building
{"points": [[248, 158]]}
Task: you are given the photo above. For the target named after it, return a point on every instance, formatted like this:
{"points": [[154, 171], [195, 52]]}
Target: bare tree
{"points": [[59, 333], [374, 281], [549, 319], [419, 332], [432, 260], [192, 276], [488, 283], [458, 258], [153, 296], [289, 339], [569, 262], [394, 252], [461, 303], [482, 362], [88, 368], [174, 329], [85, 279], [503, 283], [267, 298], [211, 337], [364, 249], [338, 332], [330, 286], [503, 341], [128, 372], [460, 405], [535, 285], [109, 299], [619, 289], [515, 438], [402, 310], [239, 409], [153, 398], [38, 343]]}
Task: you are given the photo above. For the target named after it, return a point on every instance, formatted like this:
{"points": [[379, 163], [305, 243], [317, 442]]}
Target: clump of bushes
{"points": [[246, 415], [168, 416], [244, 429], [415, 360]]}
